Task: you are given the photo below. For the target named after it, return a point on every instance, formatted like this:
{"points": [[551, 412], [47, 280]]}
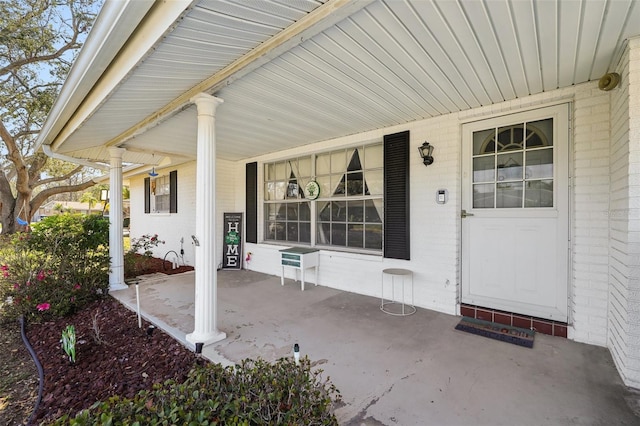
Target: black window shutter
{"points": [[396, 196], [173, 191], [147, 195], [251, 194]]}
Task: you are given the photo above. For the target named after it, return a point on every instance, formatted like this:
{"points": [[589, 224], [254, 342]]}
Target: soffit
{"points": [[392, 62]]}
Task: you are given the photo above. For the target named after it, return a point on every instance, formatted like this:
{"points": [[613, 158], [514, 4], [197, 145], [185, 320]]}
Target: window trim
{"points": [[173, 194], [401, 138]]}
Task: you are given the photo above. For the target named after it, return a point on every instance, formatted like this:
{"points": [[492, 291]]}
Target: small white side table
{"points": [[403, 307], [299, 258]]}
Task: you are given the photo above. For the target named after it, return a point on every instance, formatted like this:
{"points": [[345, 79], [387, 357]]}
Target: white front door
{"points": [[515, 236]]}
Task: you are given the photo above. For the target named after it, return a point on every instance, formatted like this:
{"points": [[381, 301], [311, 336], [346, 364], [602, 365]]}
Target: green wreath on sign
{"points": [[232, 238]]}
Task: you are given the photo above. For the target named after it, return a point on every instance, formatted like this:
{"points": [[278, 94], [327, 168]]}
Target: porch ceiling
{"points": [[356, 66]]}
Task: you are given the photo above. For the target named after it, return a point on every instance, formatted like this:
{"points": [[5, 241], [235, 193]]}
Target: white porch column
{"points": [[116, 244], [206, 330]]}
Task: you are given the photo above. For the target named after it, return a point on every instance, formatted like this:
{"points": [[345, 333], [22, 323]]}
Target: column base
{"points": [[206, 338], [117, 286]]}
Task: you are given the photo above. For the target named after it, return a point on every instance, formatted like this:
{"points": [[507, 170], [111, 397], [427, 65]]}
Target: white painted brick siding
{"points": [[624, 267], [175, 226], [604, 283]]}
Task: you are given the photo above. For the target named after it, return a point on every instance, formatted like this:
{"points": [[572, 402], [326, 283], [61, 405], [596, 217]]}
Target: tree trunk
{"points": [[7, 217]]}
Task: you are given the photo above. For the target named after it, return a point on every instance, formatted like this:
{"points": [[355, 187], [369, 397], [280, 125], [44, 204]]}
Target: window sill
{"points": [[331, 251]]}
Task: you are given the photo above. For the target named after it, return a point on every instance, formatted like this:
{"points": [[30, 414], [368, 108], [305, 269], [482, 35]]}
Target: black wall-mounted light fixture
{"points": [[425, 152]]}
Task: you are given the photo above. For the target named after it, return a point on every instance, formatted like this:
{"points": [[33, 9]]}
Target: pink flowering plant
{"points": [[141, 251], [54, 271]]}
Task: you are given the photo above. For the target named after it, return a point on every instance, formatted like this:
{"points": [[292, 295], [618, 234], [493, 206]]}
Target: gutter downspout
{"points": [[49, 152]]}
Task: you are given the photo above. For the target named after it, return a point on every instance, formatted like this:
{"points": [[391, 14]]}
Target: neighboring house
{"points": [[56, 207], [528, 214]]}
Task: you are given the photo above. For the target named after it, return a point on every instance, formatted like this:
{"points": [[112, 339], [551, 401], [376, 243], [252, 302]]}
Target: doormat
{"points": [[492, 330]]}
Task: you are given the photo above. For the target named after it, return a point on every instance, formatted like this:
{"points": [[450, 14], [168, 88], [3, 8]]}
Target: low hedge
{"points": [[251, 393]]}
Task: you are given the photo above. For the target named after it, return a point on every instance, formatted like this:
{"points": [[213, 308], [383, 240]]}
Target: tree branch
{"points": [[59, 178], [44, 195]]}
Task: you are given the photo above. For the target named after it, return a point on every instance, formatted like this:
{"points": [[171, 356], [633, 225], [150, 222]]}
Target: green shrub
{"points": [[70, 235], [137, 258], [251, 393], [57, 269]]}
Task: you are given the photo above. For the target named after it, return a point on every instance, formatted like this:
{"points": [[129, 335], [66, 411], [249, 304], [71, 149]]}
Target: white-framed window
{"points": [[513, 166], [350, 206], [287, 212], [347, 213], [161, 193], [160, 189]]}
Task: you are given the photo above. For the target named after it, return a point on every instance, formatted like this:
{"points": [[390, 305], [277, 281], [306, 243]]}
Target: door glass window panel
{"points": [[483, 196], [484, 169], [539, 133], [484, 142], [509, 166], [509, 195], [510, 138], [539, 164], [539, 193], [509, 158]]}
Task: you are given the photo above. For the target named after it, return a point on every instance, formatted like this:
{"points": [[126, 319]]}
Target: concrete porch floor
{"points": [[413, 370]]}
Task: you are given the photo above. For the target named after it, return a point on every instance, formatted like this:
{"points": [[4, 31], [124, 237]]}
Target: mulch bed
{"points": [[113, 357], [148, 265]]}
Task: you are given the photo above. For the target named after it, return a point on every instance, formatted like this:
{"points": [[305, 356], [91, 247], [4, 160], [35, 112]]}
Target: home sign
{"points": [[232, 245]]}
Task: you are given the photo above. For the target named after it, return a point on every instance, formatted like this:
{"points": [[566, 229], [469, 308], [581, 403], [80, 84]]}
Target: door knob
{"points": [[464, 214]]}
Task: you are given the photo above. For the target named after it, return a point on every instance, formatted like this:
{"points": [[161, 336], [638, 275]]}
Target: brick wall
{"points": [[176, 226], [589, 290], [624, 269], [435, 244]]}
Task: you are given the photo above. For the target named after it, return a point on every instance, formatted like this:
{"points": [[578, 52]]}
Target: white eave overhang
{"points": [[313, 70], [122, 35]]}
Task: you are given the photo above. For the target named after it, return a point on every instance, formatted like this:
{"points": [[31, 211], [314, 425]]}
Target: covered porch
{"points": [[397, 370]]}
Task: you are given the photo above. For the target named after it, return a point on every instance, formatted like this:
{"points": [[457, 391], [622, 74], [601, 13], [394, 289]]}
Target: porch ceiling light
{"points": [[425, 152]]}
